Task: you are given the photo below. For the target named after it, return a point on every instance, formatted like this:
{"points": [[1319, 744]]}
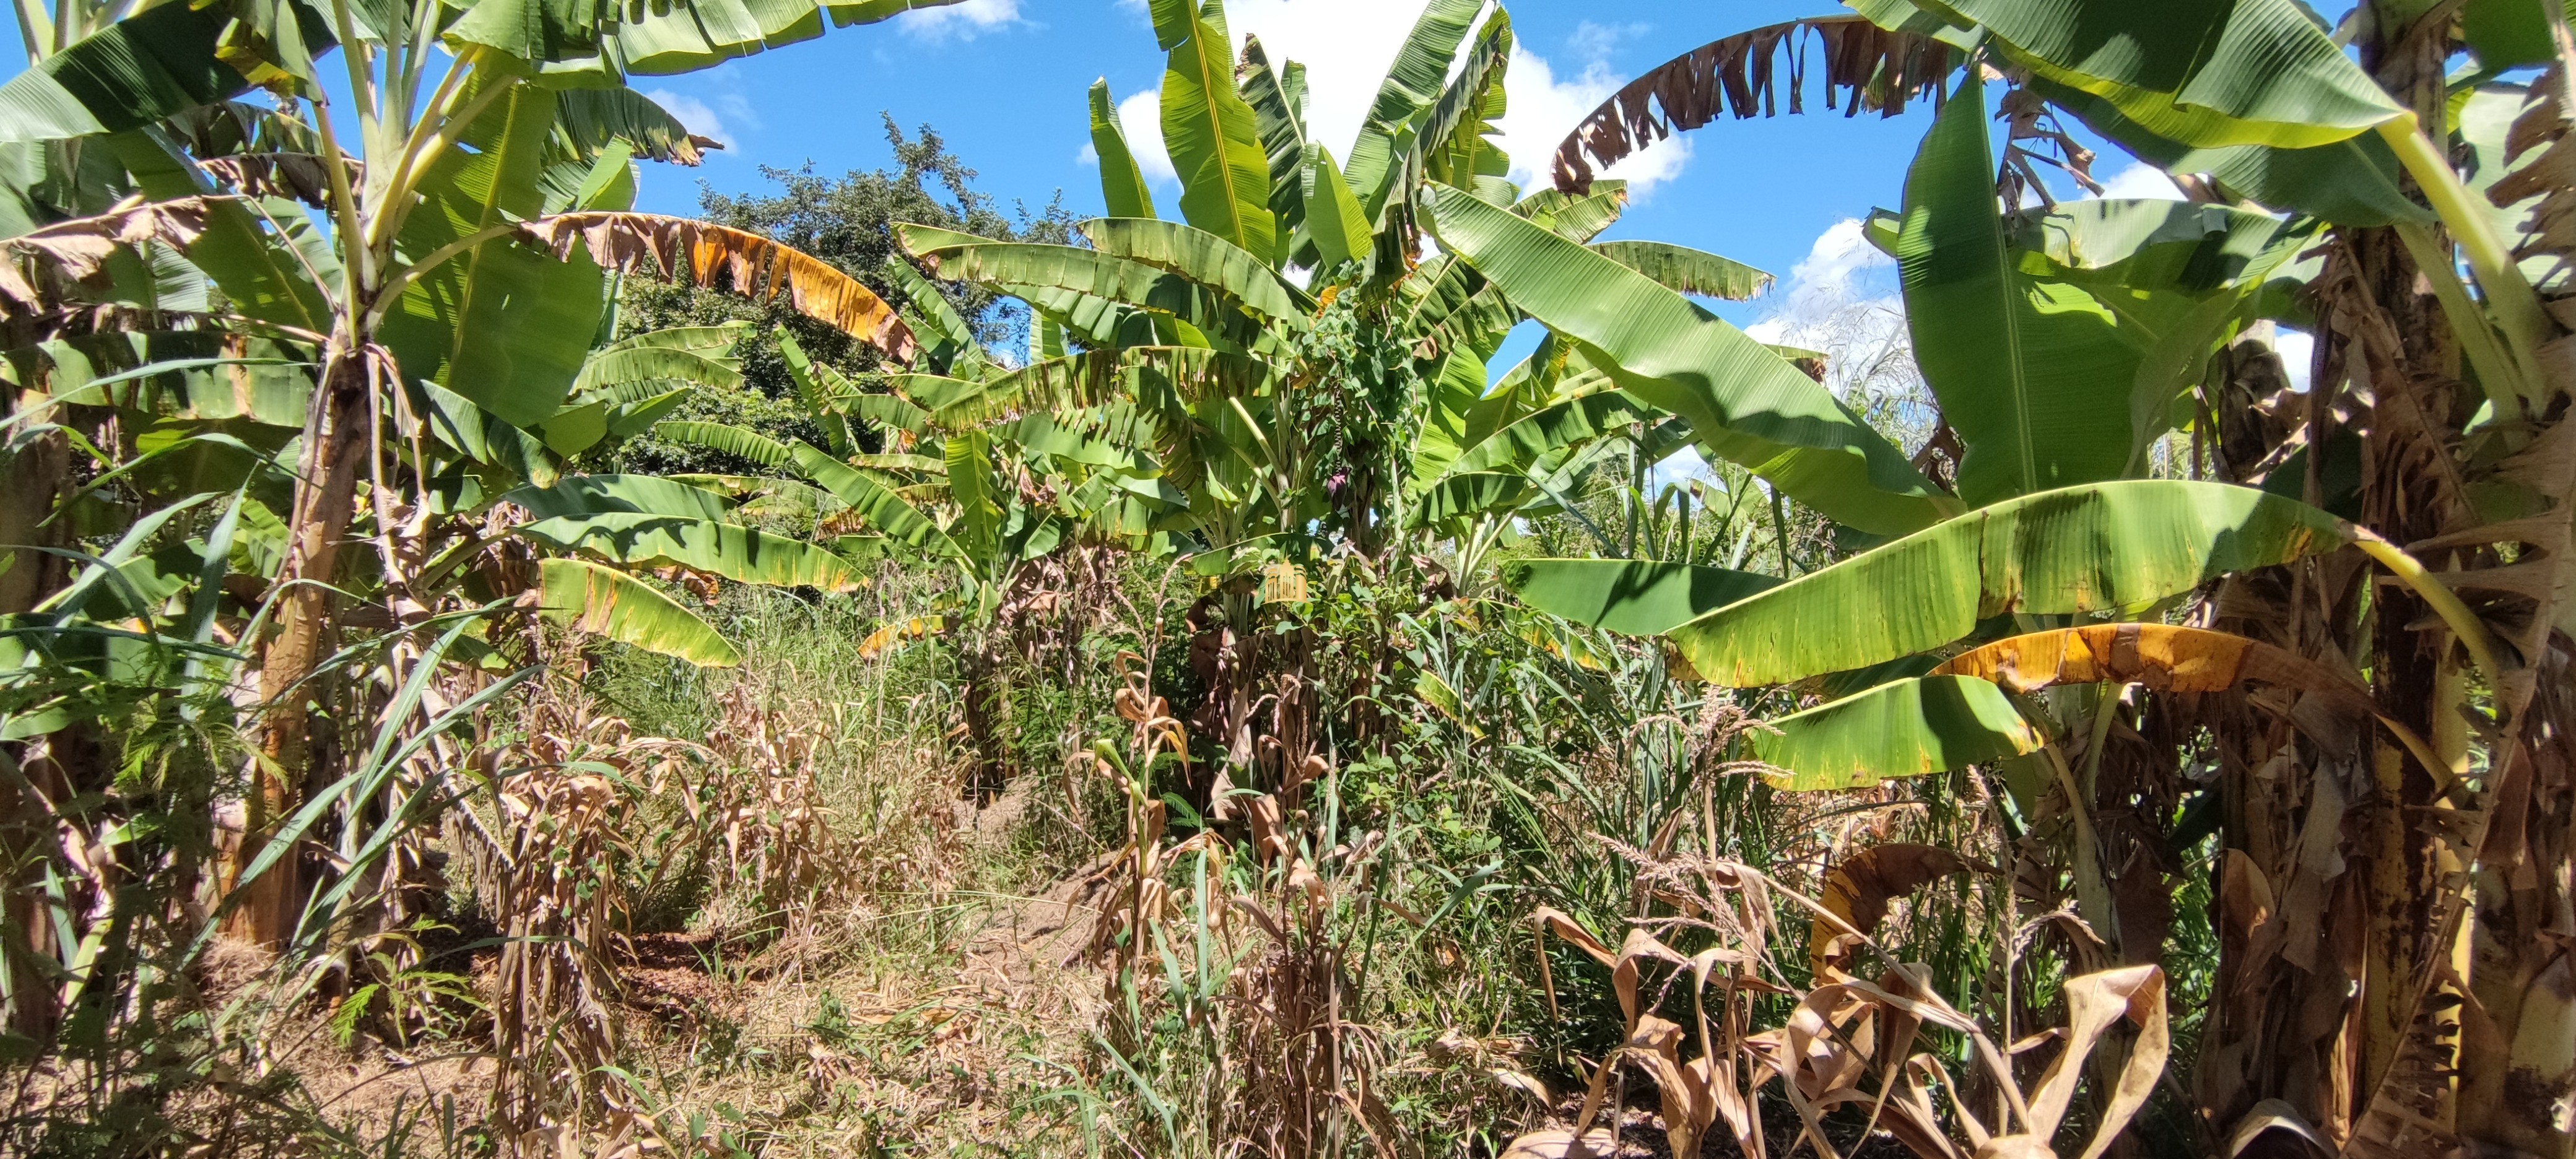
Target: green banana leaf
{"points": [[1122, 184], [978, 525], [501, 323], [1215, 141], [263, 273], [1155, 375], [609, 603], [1576, 217], [1746, 403], [1455, 144], [629, 373], [2033, 374], [588, 121], [1030, 270], [2348, 182], [569, 36], [1685, 270], [820, 388], [1459, 495], [576, 495], [1333, 217], [1202, 257], [133, 73], [734, 552], [2081, 549], [1520, 445], [1906, 728], [878, 505], [1640, 597], [1283, 137], [1414, 81], [946, 334], [2205, 73]]}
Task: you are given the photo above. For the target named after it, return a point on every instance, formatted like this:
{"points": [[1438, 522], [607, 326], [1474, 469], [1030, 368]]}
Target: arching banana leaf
{"points": [[1155, 375], [1202, 257], [876, 504], [1640, 597], [734, 552], [2081, 549], [606, 602], [1519, 446], [1029, 269], [1908, 728], [2205, 73], [1685, 270], [577, 495], [1576, 217], [1745, 403]]}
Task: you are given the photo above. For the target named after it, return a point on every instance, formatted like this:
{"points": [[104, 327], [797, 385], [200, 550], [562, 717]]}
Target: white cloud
{"points": [[694, 114], [1544, 109], [1141, 116], [964, 21], [1089, 154], [2141, 180], [1346, 46], [1842, 300]]}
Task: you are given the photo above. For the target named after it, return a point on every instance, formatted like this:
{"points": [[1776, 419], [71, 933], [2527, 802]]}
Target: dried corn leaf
{"points": [[1867, 66], [694, 252], [1859, 889]]}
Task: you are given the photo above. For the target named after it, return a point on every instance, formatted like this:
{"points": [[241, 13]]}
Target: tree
{"points": [[846, 222]]}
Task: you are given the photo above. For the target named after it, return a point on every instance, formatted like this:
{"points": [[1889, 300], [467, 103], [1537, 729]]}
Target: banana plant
{"points": [[1307, 379], [2061, 344]]}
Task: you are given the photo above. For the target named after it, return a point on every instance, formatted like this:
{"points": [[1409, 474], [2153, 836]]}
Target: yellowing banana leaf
{"points": [[1908, 728], [1215, 141], [1640, 597], [1744, 402], [2081, 549], [2164, 657], [606, 602], [734, 552], [697, 253]]}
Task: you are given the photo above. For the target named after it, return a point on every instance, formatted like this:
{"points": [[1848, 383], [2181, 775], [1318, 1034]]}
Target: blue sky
{"points": [[1004, 82]]}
